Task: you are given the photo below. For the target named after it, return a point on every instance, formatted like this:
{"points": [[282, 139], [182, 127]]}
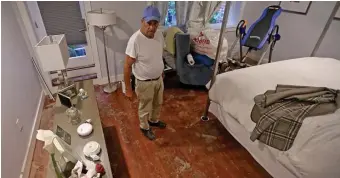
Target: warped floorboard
{"points": [[187, 148]]}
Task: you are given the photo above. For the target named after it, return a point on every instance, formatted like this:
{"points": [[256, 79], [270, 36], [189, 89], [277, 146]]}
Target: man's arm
{"points": [[127, 74]]}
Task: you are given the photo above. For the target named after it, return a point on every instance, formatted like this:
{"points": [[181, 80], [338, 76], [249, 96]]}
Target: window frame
{"points": [[217, 26]]}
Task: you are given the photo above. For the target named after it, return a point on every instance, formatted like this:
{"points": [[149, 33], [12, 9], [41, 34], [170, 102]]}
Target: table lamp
{"points": [[103, 19], [52, 52]]}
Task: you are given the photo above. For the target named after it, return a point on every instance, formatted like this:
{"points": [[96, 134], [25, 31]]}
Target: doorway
{"points": [[66, 17]]}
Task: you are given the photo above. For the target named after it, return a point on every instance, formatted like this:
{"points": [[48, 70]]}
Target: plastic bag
{"points": [[62, 160], [205, 42]]}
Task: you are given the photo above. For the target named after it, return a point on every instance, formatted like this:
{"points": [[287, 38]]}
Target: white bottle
{"points": [[123, 86], [190, 59]]}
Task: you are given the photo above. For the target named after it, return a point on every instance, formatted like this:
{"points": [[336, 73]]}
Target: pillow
{"points": [[170, 39]]}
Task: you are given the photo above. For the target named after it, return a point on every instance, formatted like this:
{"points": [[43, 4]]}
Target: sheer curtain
{"points": [[183, 10], [189, 14], [201, 12]]}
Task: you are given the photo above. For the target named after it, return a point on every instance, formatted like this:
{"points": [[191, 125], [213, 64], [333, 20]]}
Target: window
{"points": [[56, 19], [170, 18], [216, 19], [233, 18]]}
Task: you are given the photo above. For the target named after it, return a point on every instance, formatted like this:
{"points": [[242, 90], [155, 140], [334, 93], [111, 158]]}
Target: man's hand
{"points": [[163, 75], [128, 93]]}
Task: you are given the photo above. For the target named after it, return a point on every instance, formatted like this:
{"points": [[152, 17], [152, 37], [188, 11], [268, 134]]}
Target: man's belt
{"points": [[148, 80]]}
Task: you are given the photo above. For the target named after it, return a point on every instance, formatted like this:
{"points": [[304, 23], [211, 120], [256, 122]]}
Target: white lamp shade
{"points": [[101, 17], [53, 55]]}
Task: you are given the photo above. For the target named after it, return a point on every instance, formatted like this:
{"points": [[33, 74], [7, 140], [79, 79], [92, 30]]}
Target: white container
{"points": [[123, 86], [190, 59], [53, 53]]}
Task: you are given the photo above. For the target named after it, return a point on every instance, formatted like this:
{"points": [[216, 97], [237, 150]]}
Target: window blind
{"points": [[63, 17]]}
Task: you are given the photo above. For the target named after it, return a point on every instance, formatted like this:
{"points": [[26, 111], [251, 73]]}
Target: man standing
{"points": [[144, 58]]}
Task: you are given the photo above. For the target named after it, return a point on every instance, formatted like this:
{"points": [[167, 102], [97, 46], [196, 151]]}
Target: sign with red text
{"points": [[205, 42]]}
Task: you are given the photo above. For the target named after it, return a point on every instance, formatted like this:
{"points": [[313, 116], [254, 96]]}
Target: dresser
{"points": [[89, 110]]}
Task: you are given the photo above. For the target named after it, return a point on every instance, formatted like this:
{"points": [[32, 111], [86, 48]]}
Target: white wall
{"points": [[34, 12], [31, 39], [330, 46], [299, 33], [129, 15], [20, 93]]}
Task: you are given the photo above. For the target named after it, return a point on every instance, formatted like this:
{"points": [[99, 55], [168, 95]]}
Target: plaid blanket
{"points": [[279, 113]]}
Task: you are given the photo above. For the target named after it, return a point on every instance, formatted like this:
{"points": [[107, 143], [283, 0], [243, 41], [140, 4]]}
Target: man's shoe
{"points": [[158, 124], [148, 133]]}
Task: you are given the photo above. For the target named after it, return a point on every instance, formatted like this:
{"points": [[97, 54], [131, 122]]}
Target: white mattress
{"points": [[318, 138]]}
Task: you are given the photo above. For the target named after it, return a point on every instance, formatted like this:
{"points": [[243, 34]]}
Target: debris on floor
{"points": [[160, 141], [124, 135], [198, 174], [193, 123], [209, 136], [197, 134], [221, 146], [184, 165], [171, 129]]}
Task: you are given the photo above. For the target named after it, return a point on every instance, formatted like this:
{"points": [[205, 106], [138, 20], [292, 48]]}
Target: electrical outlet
{"points": [[19, 125]]}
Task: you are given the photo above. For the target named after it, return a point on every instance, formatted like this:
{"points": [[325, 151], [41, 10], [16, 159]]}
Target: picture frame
{"points": [[337, 15], [296, 7], [68, 95], [69, 91], [65, 136]]}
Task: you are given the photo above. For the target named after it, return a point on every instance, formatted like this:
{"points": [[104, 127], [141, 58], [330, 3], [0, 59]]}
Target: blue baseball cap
{"points": [[151, 13]]}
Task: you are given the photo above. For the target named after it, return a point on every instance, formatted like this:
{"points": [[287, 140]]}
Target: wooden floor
{"points": [[187, 148]]}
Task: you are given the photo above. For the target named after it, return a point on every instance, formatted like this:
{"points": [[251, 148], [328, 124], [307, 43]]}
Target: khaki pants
{"points": [[150, 96]]}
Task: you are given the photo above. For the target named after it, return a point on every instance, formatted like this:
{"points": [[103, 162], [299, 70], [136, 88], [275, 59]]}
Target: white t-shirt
{"points": [[148, 54]]}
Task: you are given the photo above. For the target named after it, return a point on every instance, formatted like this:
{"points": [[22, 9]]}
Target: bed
{"points": [[315, 151]]}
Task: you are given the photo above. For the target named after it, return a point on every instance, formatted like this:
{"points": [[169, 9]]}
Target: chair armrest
{"points": [[182, 42]]}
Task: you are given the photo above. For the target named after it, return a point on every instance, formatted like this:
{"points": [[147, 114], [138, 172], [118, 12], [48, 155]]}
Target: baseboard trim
{"points": [[104, 80], [26, 166]]}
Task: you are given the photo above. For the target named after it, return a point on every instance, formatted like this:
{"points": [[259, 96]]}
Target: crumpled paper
{"points": [[76, 171], [50, 141]]}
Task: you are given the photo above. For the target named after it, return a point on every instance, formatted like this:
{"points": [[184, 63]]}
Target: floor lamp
{"points": [[103, 19]]}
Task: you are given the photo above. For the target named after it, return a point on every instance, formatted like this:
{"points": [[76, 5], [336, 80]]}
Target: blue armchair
{"points": [[197, 74]]}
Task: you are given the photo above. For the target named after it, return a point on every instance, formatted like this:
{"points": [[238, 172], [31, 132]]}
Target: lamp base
{"points": [[109, 88]]}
